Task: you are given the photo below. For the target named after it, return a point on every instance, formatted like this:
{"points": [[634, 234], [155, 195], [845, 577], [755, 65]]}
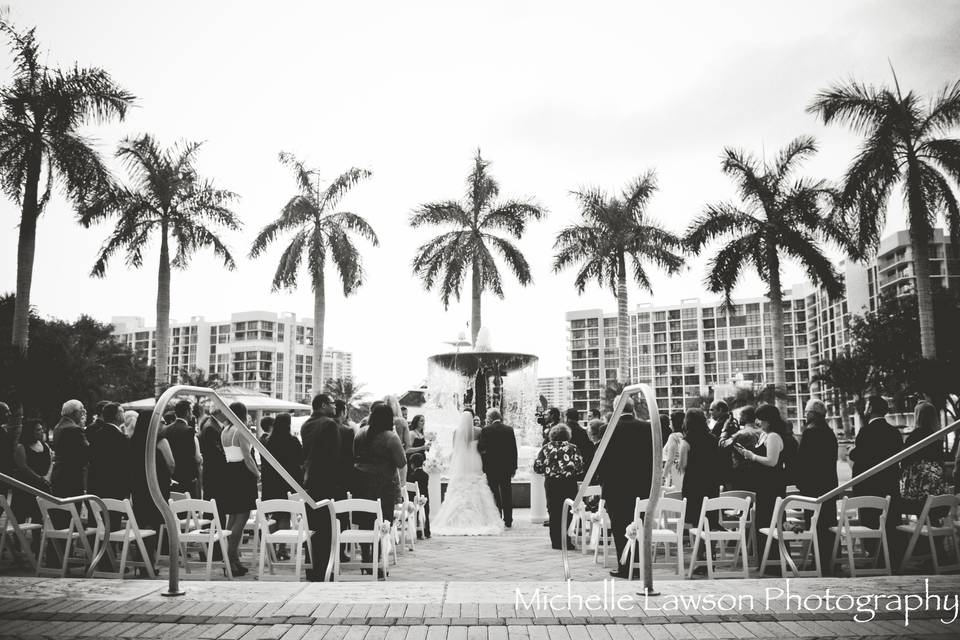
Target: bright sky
{"points": [[557, 95]]}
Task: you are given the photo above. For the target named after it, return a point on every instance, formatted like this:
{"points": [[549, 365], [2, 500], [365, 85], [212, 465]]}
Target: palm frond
{"points": [[795, 151], [437, 214], [512, 256], [858, 105], [347, 260], [804, 248], [305, 177], [725, 267], [285, 277], [745, 170], [638, 193], [511, 217], [482, 189], [944, 111], [337, 189], [718, 221]]}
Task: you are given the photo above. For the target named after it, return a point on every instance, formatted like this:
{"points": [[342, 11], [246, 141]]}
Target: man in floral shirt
{"points": [[561, 464]]}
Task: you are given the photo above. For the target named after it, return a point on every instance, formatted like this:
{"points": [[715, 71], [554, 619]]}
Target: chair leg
{"points": [[226, 557], [64, 569], [933, 552], [914, 537], [709, 554], [693, 556], [766, 553], [43, 553], [124, 552], [262, 559], [147, 564], [743, 554], [298, 558]]}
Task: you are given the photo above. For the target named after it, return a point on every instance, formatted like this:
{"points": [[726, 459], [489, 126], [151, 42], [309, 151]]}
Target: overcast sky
{"points": [[557, 95]]}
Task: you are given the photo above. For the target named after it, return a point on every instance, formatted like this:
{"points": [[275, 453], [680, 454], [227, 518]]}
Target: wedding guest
{"points": [[665, 429], [400, 424], [214, 461], [110, 469], [70, 454], [817, 474], [129, 423], [626, 470], [144, 509], [923, 473], [323, 469], [551, 420], [748, 436], [698, 466], [379, 456], [289, 453], [595, 430], [724, 424], [186, 449], [767, 476], [31, 461], [97, 422], [266, 428], [418, 439], [580, 438], [876, 441], [672, 472], [416, 473], [676, 421], [561, 464], [239, 496]]}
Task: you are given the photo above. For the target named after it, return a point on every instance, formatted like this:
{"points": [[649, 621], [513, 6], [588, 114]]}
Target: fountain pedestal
{"points": [[538, 499]]}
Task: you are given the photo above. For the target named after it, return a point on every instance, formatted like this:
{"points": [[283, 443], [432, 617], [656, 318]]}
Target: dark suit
{"points": [[816, 474], [68, 472], [626, 472], [876, 441], [581, 439], [322, 449], [498, 449], [109, 474]]}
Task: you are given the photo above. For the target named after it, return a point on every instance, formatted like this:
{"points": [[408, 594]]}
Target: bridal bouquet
{"points": [[437, 459]]}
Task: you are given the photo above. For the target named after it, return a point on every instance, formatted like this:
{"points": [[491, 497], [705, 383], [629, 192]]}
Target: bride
{"points": [[468, 508]]}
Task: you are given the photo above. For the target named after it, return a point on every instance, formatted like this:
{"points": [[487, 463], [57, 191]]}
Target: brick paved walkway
{"points": [[77, 608]]}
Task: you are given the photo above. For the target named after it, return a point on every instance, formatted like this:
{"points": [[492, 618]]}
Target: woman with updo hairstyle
{"points": [[239, 496], [289, 453]]}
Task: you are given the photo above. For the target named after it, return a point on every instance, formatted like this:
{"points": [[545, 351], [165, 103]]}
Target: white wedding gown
{"points": [[468, 508]]}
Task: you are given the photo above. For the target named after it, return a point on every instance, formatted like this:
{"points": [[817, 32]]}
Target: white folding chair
{"points": [[405, 520], [196, 530], [250, 537], [580, 526], [601, 535], [296, 536], [752, 550], [380, 532], [14, 530], [946, 530], [849, 530], [786, 530], [74, 532], [738, 535], [175, 496], [667, 530], [122, 537], [416, 516]]}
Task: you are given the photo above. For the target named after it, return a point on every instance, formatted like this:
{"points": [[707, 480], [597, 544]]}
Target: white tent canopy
{"points": [[253, 400]]}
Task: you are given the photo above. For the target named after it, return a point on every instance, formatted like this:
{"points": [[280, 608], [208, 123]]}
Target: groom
{"points": [[498, 449]]}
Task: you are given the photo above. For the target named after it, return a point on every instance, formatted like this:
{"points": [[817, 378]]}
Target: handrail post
{"points": [[655, 481]]}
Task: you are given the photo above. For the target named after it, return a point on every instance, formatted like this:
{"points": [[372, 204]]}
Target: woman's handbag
{"points": [[922, 479]]}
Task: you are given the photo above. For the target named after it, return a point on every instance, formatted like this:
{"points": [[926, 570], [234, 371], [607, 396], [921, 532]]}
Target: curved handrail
{"points": [[173, 526], [656, 470], [22, 486]]}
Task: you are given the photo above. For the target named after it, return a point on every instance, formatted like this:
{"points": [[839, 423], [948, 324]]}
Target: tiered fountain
{"points": [[482, 379]]}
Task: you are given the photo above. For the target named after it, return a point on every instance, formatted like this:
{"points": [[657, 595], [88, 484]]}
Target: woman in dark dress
{"points": [[379, 455], [239, 495], [699, 466], [31, 462], [766, 475], [144, 510], [289, 453]]}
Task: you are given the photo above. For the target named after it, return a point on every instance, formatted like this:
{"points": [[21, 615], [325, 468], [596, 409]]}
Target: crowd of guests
{"points": [[756, 452], [210, 457]]}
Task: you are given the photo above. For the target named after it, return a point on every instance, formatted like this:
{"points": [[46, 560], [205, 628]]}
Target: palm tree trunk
{"points": [[476, 290], [919, 244], [161, 363], [623, 324], [319, 316], [776, 319], [26, 249]]}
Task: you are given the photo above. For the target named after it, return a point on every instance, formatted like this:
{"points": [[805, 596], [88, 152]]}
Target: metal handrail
{"points": [[656, 471], [26, 488], [172, 524]]}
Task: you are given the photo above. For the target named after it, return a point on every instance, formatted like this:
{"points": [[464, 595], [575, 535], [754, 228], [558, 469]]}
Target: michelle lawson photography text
{"points": [[862, 607]]}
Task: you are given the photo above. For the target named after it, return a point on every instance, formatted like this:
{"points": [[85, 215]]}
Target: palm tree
{"points": [[905, 144], [778, 219], [612, 229], [166, 196], [444, 261], [345, 389], [849, 375], [198, 377], [319, 231], [41, 111]]}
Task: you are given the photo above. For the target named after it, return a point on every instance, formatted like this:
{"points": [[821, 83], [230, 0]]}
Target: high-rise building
{"points": [[259, 350], [556, 391], [690, 349]]}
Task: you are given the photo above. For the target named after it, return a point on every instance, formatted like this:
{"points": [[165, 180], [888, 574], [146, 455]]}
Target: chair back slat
{"points": [[357, 505]]}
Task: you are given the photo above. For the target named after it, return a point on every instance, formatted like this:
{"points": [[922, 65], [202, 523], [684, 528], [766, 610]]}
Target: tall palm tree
{"points": [[612, 230], [444, 261], [905, 144], [168, 197], [779, 218], [41, 111], [346, 389], [319, 231]]}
